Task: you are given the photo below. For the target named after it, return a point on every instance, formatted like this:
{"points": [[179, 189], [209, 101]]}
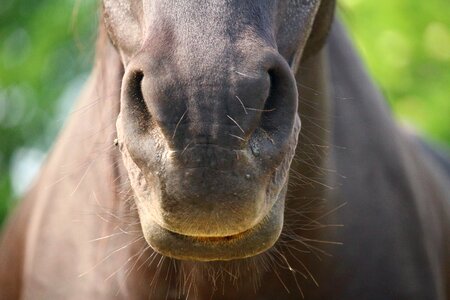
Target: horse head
{"points": [[208, 123]]}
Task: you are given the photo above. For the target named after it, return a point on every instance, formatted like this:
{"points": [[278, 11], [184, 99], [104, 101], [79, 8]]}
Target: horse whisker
{"points": [[109, 255], [242, 103], [178, 123], [238, 137], [237, 124], [245, 75], [261, 110]]}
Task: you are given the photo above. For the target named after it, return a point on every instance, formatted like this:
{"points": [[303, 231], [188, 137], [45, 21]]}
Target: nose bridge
{"points": [[216, 74], [217, 104], [205, 84]]}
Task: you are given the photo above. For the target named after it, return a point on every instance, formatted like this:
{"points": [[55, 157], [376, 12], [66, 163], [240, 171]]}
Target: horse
{"points": [[227, 149]]}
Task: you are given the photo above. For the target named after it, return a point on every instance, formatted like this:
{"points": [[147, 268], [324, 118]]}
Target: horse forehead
{"points": [[207, 22], [215, 9], [205, 29]]}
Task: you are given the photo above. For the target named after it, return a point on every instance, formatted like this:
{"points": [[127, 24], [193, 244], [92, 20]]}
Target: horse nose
{"points": [[223, 106]]}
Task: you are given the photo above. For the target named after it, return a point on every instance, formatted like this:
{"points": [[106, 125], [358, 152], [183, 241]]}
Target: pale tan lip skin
{"points": [[243, 245]]}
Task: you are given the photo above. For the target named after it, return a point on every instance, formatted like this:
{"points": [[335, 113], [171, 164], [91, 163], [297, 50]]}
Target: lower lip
{"points": [[217, 239], [194, 248]]}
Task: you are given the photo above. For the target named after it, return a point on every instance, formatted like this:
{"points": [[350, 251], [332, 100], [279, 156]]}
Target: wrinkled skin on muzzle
{"points": [[208, 124]]}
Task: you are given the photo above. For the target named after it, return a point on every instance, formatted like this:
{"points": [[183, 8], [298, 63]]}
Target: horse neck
{"points": [[90, 132], [341, 111], [84, 149], [97, 187]]}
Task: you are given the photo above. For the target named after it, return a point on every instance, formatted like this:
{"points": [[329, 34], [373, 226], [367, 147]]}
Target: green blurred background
{"points": [[46, 50]]}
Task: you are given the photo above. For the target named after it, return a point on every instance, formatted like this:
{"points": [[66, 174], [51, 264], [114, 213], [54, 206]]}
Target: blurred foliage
{"points": [[46, 50], [406, 45], [41, 53]]}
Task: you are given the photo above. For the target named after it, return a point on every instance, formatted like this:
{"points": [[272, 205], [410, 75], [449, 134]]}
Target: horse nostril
{"points": [[133, 100], [270, 104], [134, 92], [280, 106]]}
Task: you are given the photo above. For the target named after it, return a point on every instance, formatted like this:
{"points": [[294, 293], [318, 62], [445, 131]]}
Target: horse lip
{"points": [[217, 248], [215, 239]]}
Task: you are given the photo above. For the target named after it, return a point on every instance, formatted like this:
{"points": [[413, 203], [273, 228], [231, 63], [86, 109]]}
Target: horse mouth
{"points": [[214, 239], [248, 243]]}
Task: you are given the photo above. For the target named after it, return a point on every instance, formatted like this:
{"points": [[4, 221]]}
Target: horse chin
{"points": [[248, 243], [213, 230], [179, 242]]}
